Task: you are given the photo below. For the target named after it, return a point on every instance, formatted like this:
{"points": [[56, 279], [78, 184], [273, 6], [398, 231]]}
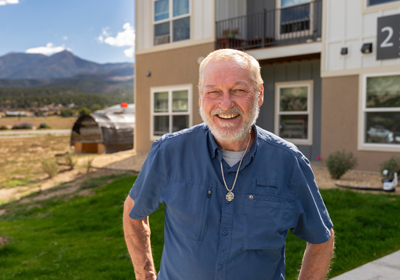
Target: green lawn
{"points": [[82, 238]]}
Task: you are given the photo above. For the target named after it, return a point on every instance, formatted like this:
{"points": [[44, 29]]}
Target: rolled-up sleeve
{"points": [[313, 222], [147, 189]]}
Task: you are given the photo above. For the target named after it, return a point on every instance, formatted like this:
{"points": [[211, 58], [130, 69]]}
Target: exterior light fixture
{"points": [[366, 48], [344, 51], [148, 74]]}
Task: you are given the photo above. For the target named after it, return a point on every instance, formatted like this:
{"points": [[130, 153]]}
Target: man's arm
{"points": [[137, 238], [317, 259]]}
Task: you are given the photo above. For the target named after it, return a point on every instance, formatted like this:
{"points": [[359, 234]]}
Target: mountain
{"points": [[61, 65]]}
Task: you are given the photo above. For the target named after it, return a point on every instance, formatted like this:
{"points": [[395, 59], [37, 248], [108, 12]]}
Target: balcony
{"points": [[283, 26]]}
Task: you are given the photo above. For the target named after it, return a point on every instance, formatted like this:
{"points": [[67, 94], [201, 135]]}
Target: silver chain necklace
{"points": [[230, 196]]}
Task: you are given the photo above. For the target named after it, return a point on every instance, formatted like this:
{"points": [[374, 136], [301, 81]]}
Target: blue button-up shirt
{"points": [[207, 237]]}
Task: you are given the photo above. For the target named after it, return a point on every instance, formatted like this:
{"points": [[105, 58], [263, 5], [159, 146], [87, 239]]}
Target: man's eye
{"points": [[213, 93]]}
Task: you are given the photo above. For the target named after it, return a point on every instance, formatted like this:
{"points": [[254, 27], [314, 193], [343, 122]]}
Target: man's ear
{"points": [[261, 95]]}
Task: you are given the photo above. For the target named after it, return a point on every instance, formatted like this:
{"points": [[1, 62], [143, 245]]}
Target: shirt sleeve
{"points": [[147, 189], [313, 221]]}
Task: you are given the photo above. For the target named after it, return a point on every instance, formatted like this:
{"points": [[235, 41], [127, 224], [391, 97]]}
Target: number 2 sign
{"points": [[388, 40]]}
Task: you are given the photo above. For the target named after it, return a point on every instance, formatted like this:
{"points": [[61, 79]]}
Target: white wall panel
{"points": [[353, 57], [353, 20], [197, 20], [208, 18], [369, 24], [333, 60], [350, 25], [336, 23]]}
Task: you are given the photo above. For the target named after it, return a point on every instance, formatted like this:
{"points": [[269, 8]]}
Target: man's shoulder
{"points": [[274, 142], [183, 136]]}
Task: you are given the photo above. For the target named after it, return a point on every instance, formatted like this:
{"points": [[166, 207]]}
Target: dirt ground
{"points": [[54, 122]]}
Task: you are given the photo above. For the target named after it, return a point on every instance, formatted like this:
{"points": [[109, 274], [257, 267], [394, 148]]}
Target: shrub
{"points": [[70, 160], [89, 164], [23, 125], [392, 165], [50, 167], [84, 111], [339, 163], [3, 127], [43, 125]]}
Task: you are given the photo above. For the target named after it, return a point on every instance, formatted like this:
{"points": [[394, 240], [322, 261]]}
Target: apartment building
{"points": [[315, 75]]}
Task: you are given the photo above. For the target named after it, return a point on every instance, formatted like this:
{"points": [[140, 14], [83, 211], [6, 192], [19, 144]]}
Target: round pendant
{"points": [[230, 196]]}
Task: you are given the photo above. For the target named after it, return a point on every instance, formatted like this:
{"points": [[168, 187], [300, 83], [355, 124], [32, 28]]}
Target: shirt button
{"points": [[225, 232], [220, 266], [251, 197]]}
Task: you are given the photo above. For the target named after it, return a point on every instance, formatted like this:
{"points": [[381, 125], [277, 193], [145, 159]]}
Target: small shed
{"points": [[108, 133]]}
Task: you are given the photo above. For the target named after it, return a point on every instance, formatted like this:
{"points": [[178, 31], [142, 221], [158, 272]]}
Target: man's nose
{"points": [[226, 101]]}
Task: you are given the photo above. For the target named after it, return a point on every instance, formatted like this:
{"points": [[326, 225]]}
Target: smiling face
{"points": [[228, 102]]}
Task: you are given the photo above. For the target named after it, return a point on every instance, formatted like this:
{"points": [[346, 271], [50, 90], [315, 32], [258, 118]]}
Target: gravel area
{"points": [[351, 178]]}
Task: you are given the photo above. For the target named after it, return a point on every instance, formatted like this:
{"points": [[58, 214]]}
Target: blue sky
{"points": [[96, 30]]}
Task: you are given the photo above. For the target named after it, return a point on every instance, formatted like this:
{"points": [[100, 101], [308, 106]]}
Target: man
{"points": [[231, 189]]}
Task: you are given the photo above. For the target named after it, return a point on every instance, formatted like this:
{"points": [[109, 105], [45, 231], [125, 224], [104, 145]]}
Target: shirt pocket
{"points": [[266, 222], [187, 211]]}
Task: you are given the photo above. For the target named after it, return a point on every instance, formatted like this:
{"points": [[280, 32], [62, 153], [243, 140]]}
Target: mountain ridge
{"points": [[21, 66]]}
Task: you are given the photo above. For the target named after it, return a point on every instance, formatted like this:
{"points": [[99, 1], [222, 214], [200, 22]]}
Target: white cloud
{"points": [[65, 38], [123, 38], [49, 49], [130, 52], [5, 2]]}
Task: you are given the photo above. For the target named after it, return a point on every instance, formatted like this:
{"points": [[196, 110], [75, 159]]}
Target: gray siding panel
{"points": [[297, 71]]}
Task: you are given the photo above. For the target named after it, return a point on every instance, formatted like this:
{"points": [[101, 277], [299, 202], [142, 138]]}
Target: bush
{"points": [[23, 125], [392, 165], [339, 163], [50, 167], [84, 111], [44, 125], [89, 164], [70, 160], [3, 127]]}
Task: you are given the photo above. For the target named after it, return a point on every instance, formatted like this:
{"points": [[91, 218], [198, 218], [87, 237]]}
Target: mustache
{"points": [[231, 111]]}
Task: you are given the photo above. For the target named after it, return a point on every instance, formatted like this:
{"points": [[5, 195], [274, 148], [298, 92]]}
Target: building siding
{"points": [[340, 121], [171, 67], [286, 72]]}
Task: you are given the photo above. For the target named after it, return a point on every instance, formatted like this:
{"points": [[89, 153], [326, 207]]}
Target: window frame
{"points": [[303, 33], [310, 109], [170, 114], [379, 7], [171, 19], [362, 144]]}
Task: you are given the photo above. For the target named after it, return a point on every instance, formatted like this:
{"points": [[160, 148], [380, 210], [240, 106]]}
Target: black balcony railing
{"points": [[288, 25]]}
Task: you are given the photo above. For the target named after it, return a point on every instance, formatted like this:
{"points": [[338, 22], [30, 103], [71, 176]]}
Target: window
{"points": [[294, 17], [378, 2], [293, 111], [381, 110], [170, 110], [171, 21]]}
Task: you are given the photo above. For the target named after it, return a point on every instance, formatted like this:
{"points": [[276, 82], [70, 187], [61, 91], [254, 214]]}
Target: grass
{"points": [[20, 158], [82, 238]]}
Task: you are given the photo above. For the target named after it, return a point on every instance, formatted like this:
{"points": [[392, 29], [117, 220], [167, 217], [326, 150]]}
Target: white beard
{"points": [[226, 133]]}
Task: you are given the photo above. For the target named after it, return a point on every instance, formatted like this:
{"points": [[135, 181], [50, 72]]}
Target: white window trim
{"points": [[188, 87], [362, 145], [376, 8], [170, 20], [280, 36], [310, 101]]}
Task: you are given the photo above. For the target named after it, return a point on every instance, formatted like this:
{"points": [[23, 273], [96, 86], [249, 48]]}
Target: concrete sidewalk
{"points": [[386, 268]]}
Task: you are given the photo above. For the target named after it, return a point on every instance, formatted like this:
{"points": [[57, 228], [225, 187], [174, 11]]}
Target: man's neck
{"points": [[236, 146]]}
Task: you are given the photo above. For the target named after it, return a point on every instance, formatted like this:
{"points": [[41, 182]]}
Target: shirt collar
{"points": [[214, 149]]}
